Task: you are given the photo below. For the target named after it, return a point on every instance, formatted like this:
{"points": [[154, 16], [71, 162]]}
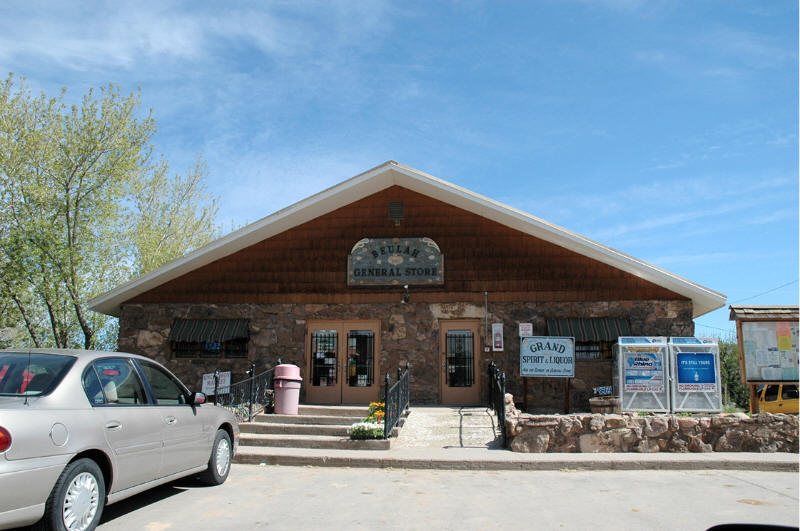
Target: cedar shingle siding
{"points": [[308, 263]]}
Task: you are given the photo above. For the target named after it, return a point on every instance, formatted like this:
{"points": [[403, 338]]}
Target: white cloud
{"points": [[79, 39], [754, 50], [771, 217], [127, 36], [259, 184], [691, 209]]}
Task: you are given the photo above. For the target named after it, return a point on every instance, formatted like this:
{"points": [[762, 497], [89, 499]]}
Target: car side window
{"points": [[91, 384], [166, 390], [789, 392], [771, 394], [120, 382]]}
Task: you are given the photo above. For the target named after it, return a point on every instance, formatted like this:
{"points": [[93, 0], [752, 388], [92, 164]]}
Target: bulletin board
{"points": [[769, 350]]}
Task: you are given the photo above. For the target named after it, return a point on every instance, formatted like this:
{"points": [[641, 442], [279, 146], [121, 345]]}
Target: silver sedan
{"points": [[82, 429]]}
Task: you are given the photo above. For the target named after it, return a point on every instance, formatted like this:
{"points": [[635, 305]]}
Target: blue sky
{"points": [[665, 129]]}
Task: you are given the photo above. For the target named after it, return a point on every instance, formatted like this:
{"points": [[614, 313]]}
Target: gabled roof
{"points": [[379, 178]]}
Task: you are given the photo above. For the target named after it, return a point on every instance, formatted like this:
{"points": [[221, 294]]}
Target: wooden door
{"points": [[361, 383], [322, 344], [343, 359], [459, 348]]}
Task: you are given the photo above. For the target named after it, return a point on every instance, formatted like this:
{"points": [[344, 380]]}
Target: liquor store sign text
{"points": [[547, 357]]}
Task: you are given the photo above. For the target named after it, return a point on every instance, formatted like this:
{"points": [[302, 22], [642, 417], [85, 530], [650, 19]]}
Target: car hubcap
{"points": [[80, 502], [223, 457]]}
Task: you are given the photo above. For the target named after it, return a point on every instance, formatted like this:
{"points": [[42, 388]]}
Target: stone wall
{"points": [[409, 332], [593, 433]]}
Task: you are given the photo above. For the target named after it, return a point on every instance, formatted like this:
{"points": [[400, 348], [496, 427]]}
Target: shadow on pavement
{"points": [[148, 497], [140, 501]]}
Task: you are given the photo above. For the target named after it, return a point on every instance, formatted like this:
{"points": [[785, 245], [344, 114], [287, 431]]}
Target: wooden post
{"points": [[753, 399], [566, 395]]}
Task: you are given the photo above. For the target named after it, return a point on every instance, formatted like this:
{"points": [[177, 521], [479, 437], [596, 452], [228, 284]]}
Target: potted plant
{"points": [[602, 401]]}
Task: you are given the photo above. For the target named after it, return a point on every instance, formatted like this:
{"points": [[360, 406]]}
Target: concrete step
{"points": [[308, 441], [274, 428], [488, 459], [290, 430], [334, 411], [308, 419]]}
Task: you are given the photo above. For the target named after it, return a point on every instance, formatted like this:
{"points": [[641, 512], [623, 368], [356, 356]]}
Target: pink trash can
{"points": [[287, 389]]}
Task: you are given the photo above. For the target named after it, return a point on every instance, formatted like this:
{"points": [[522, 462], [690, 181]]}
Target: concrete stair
{"points": [[314, 427]]}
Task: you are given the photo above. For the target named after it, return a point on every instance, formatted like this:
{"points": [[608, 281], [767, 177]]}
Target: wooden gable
{"points": [[308, 263]]}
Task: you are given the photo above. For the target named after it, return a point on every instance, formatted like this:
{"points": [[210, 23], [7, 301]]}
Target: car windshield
{"points": [[31, 374]]}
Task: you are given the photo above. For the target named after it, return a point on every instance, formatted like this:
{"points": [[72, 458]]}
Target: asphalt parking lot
{"points": [[278, 497]]}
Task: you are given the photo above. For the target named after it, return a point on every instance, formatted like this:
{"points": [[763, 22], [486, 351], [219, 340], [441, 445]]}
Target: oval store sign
{"points": [[395, 261]]}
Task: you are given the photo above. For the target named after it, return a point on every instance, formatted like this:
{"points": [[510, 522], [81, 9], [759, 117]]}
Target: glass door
{"points": [[460, 354], [342, 362], [361, 370], [323, 387]]}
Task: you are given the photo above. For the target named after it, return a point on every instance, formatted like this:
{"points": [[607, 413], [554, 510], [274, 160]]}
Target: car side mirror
{"points": [[199, 398]]}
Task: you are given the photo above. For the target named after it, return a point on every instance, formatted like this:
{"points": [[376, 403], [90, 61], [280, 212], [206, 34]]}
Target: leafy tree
{"points": [[84, 207], [733, 388]]}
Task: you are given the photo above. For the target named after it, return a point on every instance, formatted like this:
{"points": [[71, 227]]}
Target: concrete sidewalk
{"points": [[469, 439]]}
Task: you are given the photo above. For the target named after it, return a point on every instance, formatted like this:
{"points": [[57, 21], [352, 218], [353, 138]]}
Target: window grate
{"points": [[592, 350], [460, 359], [235, 348], [360, 348], [324, 360]]}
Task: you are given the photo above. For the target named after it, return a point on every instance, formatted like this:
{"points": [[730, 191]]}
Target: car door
{"points": [[132, 427], [185, 437], [787, 402], [768, 399]]}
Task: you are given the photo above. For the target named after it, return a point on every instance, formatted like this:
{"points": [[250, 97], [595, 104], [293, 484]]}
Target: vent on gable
{"points": [[396, 212]]}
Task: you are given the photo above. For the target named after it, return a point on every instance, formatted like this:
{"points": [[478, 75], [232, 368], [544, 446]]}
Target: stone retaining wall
{"points": [[629, 432]]}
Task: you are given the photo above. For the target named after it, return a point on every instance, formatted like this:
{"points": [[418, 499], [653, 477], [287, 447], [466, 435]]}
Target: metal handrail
{"points": [[397, 398], [497, 396], [249, 397]]}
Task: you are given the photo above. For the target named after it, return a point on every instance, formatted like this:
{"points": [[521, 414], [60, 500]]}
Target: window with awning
{"points": [[210, 338], [593, 337]]}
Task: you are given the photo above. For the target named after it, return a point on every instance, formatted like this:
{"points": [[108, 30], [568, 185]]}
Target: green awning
{"points": [[587, 330], [200, 330]]}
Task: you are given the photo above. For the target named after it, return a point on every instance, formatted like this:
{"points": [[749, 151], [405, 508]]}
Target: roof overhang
{"points": [[762, 312], [379, 178]]}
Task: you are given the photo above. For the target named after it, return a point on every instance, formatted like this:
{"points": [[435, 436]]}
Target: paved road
{"points": [[275, 497]]}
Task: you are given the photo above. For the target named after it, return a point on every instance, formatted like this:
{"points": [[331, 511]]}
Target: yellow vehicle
{"points": [[780, 398]]}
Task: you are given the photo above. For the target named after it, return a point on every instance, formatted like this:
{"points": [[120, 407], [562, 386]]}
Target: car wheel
{"points": [[219, 464], [77, 499]]}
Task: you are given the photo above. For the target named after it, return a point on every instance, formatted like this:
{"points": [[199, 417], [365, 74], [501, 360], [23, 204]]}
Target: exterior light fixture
{"points": [[406, 294]]}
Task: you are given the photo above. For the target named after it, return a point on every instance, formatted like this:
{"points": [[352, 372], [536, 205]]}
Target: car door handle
{"points": [[114, 425], [170, 420]]}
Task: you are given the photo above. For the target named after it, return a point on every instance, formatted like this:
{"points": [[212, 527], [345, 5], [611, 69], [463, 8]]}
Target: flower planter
{"points": [[606, 405], [364, 437], [366, 430]]}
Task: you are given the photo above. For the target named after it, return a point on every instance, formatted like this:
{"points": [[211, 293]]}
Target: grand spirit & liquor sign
{"points": [[395, 261]]}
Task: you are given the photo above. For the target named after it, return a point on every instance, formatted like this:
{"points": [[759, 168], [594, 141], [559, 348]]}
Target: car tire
{"points": [[219, 464], [78, 497]]}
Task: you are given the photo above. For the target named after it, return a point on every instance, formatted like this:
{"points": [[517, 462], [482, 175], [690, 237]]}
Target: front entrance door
{"points": [[459, 347], [342, 361]]}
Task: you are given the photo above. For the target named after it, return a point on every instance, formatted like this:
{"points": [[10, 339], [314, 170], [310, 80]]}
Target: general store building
{"points": [[395, 266]]}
